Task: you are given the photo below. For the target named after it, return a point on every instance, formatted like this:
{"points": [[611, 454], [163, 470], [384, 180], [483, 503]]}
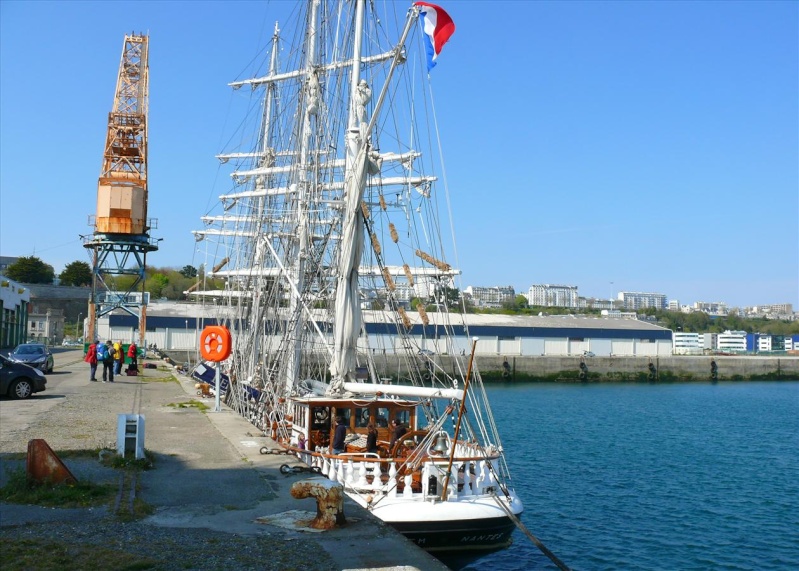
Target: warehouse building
{"points": [[172, 325]]}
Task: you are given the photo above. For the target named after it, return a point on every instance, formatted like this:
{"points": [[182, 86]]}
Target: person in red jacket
{"points": [[91, 358], [132, 349]]}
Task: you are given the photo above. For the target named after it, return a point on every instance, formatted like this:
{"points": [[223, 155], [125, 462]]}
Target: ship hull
{"points": [[477, 535]]}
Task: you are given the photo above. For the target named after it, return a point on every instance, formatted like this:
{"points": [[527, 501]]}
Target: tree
{"points": [[516, 304], [155, 284], [189, 272], [76, 274], [31, 270]]}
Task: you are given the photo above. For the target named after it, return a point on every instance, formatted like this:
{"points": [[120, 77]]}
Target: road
{"points": [[19, 415]]}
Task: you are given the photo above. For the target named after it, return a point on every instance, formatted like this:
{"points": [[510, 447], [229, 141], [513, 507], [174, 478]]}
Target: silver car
{"points": [[36, 355]]}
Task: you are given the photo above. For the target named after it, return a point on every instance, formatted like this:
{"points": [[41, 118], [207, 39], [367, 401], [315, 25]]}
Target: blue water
{"points": [[651, 477]]}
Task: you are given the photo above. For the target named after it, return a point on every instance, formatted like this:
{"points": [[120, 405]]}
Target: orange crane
{"points": [[121, 238]]}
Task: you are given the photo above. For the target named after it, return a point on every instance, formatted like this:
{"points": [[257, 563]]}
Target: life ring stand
{"points": [[216, 343]]}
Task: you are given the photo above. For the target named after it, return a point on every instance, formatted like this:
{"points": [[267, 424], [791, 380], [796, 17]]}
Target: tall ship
{"points": [[336, 251]]}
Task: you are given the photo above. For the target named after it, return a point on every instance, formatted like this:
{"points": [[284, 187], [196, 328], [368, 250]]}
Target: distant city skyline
{"points": [[616, 295]]}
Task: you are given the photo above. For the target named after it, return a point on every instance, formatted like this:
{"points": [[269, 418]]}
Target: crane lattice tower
{"points": [[121, 238]]}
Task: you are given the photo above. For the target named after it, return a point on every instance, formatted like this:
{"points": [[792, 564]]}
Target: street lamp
{"points": [[77, 325]]}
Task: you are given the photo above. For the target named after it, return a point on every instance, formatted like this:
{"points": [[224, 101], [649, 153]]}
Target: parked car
{"points": [[34, 354], [426, 352], [18, 380], [589, 354]]}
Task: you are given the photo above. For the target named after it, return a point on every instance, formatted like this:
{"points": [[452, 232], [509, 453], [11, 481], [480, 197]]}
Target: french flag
{"points": [[438, 27]]}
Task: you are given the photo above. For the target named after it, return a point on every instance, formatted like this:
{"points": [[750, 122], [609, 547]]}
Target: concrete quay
{"points": [[615, 368], [208, 470]]}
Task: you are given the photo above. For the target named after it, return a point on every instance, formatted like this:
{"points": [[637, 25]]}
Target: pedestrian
{"points": [[398, 430], [105, 354], [371, 438], [132, 349], [339, 444], [91, 358], [119, 358]]}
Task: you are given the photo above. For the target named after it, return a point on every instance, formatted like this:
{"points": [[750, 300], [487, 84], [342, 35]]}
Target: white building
{"points": [[46, 325], [685, 343], [490, 296], [764, 343], [712, 308], [637, 300], [731, 341], [549, 295]]}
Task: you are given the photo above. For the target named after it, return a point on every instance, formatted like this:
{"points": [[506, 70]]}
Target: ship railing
{"points": [[368, 474]]}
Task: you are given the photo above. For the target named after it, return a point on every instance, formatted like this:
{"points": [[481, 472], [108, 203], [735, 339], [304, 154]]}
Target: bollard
{"points": [[329, 501]]}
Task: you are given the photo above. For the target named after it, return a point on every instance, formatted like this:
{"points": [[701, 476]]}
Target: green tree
{"points": [[189, 272], [31, 270], [516, 304], [76, 274], [155, 284]]}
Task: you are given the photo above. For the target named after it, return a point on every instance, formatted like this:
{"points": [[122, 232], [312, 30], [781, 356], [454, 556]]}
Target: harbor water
{"points": [[653, 476]]}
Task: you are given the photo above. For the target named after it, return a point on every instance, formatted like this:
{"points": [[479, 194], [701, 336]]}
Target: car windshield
{"points": [[29, 350]]}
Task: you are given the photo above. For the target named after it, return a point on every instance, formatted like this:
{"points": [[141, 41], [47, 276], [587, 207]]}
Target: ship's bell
{"points": [[441, 445]]}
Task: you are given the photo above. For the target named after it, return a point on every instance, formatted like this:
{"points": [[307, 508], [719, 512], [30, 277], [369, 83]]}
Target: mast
{"points": [[299, 255], [266, 159], [348, 318]]}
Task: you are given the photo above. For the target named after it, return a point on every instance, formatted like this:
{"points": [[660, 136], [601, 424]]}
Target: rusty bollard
{"points": [[43, 464], [329, 501]]}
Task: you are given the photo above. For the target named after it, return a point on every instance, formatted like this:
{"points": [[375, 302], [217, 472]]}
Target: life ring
{"points": [[216, 343], [321, 414], [365, 415]]}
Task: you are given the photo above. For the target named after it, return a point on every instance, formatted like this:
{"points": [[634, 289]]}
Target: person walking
{"points": [[119, 358], [91, 358], [105, 353]]}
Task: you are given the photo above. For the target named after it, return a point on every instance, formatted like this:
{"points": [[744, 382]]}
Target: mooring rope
{"points": [[537, 542]]}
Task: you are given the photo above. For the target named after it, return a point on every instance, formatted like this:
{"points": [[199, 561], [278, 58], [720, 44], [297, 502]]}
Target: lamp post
{"points": [[77, 325]]}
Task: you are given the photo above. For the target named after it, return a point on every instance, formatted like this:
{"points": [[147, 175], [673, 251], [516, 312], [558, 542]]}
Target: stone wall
{"points": [[600, 369]]}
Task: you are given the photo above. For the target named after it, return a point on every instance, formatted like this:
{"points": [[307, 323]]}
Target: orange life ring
{"points": [[216, 343]]}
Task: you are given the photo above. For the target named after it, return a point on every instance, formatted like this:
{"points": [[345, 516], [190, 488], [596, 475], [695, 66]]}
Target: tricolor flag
{"points": [[438, 27]]}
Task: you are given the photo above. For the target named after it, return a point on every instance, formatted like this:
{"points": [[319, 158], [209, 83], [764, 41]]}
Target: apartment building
{"points": [[550, 295], [637, 300], [490, 296]]}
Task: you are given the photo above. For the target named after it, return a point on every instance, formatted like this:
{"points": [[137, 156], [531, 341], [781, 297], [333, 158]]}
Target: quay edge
{"points": [[566, 369]]}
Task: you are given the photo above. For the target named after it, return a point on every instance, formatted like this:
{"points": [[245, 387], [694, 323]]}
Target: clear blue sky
{"points": [[638, 146]]}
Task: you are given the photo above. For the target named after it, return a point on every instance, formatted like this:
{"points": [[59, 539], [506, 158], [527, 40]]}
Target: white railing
{"points": [[361, 473]]}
